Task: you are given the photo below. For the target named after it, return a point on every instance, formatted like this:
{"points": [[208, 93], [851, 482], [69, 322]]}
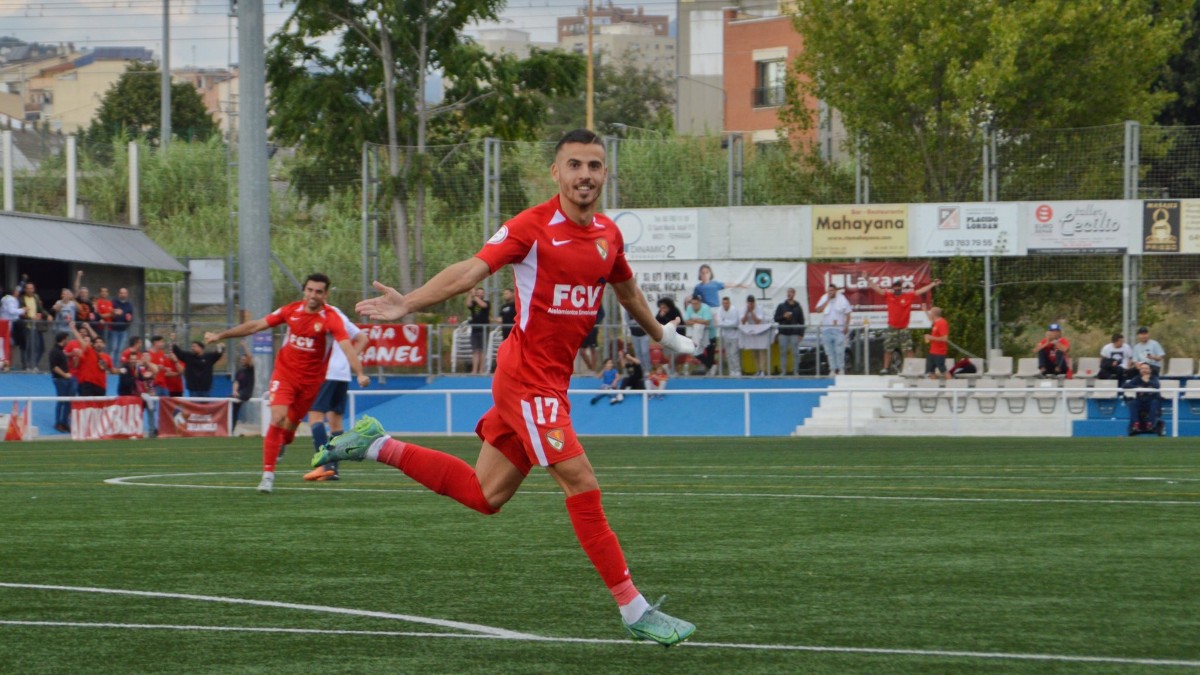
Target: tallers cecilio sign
{"points": [[860, 231], [659, 234], [1085, 227]]}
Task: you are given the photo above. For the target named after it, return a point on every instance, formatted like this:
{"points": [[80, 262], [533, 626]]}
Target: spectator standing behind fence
{"points": [[243, 384], [789, 315], [65, 311], [938, 339], [1116, 360], [103, 309], [84, 304], [121, 318], [899, 312], [10, 311], [127, 382], [508, 312], [754, 334], [835, 327], [480, 310], [35, 314], [60, 375], [1052, 352], [198, 366], [91, 372], [668, 312], [709, 289], [699, 319], [728, 320], [1148, 351]]}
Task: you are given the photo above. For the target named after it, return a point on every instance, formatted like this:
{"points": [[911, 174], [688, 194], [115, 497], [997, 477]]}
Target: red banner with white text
{"points": [[395, 344], [119, 417], [6, 342], [181, 417], [856, 277]]}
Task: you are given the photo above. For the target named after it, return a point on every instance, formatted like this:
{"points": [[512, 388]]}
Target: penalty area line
{"points": [[518, 637]]}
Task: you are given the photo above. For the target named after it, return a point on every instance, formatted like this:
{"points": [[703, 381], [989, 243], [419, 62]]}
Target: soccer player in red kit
{"points": [[563, 255], [299, 365]]}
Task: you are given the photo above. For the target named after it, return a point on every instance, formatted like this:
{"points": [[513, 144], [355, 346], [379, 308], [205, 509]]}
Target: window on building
{"points": [[770, 78]]}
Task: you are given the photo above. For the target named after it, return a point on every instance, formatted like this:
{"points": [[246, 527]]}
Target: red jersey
{"points": [[560, 271], [302, 359], [940, 329], [174, 377], [73, 349], [89, 368], [899, 308], [104, 309], [106, 362], [161, 360]]}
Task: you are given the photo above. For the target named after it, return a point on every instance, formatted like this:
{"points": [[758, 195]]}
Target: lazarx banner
{"points": [[395, 344], [855, 279]]}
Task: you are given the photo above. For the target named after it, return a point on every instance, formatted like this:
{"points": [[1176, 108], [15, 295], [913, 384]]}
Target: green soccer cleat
{"points": [[660, 627], [351, 445]]}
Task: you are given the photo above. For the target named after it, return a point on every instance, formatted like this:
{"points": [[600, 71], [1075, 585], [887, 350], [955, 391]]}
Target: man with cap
{"points": [[1148, 351], [1052, 352]]}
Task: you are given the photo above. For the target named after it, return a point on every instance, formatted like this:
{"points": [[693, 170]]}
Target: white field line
{"points": [[135, 480], [877, 651], [457, 625]]}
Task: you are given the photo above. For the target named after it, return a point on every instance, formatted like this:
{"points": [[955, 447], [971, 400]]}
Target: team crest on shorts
{"points": [[602, 248], [556, 438]]}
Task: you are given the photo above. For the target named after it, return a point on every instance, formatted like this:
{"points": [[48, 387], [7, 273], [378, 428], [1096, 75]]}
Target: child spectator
{"points": [[608, 379], [658, 380]]}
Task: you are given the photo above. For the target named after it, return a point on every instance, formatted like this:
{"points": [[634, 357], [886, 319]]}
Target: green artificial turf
{"points": [[842, 555]]}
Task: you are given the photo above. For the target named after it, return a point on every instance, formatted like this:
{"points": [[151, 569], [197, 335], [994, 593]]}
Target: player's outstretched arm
{"points": [[355, 364], [631, 298], [456, 279], [241, 330]]}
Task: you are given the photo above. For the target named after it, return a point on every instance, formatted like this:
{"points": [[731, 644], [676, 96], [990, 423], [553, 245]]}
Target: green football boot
{"points": [[351, 445]]}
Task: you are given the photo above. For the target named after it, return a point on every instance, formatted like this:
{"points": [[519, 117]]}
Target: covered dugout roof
{"points": [[30, 236]]}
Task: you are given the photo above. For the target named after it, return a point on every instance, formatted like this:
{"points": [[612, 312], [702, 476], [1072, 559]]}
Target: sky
{"points": [[203, 34]]}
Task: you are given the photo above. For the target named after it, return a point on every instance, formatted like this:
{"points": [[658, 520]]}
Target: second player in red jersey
{"points": [[312, 330]]}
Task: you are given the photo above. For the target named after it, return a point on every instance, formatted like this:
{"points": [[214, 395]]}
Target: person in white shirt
{"points": [[1115, 359], [1148, 351], [835, 327], [755, 334], [728, 319], [328, 411]]}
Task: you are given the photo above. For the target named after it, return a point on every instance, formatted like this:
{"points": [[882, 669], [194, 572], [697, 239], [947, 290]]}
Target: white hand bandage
{"points": [[676, 342]]}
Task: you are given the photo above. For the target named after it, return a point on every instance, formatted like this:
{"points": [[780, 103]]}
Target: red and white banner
{"points": [[18, 422], [181, 417], [395, 344], [119, 417], [855, 278]]}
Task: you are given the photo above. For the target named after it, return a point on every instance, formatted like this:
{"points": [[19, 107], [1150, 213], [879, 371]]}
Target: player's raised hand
{"points": [[390, 306]]}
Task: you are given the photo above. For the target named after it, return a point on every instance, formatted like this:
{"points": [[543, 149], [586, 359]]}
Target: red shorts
{"points": [[529, 424], [297, 397]]}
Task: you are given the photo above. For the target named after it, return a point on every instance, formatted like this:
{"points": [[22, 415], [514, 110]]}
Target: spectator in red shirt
{"points": [[939, 343], [1052, 352], [899, 311], [89, 370]]}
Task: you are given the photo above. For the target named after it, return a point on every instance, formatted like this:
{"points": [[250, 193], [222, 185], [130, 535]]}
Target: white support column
{"points": [[72, 199], [6, 149], [134, 186]]}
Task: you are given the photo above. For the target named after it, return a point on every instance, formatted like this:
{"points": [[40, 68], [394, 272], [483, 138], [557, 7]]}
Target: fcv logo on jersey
{"points": [[577, 296]]}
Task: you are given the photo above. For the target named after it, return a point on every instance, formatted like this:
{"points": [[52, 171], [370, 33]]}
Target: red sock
{"points": [[272, 442], [600, 543], [442, 473], [289, 436]]}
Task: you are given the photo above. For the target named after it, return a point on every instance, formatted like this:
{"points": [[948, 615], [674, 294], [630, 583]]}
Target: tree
{"points": [[133, 106], [371, 87], [625, 93], [916, 82]]}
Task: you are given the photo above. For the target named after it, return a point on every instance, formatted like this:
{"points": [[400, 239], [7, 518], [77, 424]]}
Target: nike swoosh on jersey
{"points": [[560, 243]]}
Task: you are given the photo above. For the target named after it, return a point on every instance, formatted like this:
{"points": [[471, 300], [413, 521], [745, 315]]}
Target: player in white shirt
{"points": [[328, 411]]}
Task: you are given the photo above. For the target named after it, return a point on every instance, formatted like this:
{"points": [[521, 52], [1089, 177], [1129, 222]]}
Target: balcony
{"points": [[767, 97]]}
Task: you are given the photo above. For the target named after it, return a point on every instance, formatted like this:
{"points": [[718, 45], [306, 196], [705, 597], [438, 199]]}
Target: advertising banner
{"points": [[860, 231], [181, 417], [856, 278], [1161, 226], [1189, 226], [1096, 227], [395, 344], [971, 229], [660, 234], [766, 281], [119, 417]]}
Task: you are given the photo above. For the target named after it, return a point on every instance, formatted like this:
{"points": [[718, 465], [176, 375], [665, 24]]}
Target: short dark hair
{"points": [[1117, 336], [134, 341], [318, 277], [61, 337], [585, 136], [1143, 330], [198, 343], [155, 338]]}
